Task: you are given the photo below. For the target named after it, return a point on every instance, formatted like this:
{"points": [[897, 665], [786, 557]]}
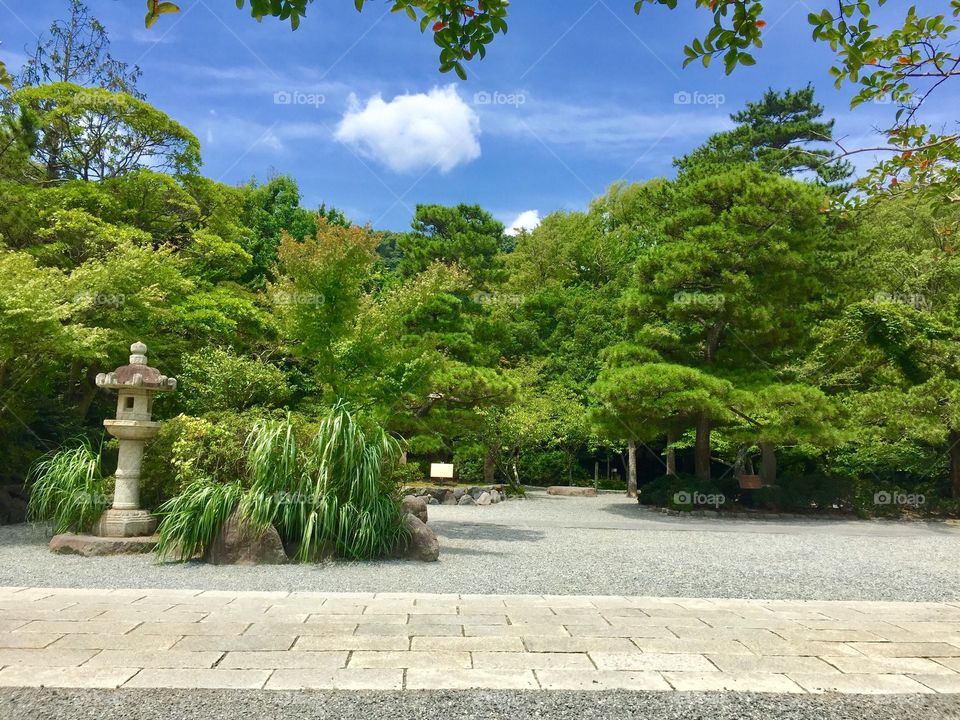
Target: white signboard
{"points": [[441, 471]]}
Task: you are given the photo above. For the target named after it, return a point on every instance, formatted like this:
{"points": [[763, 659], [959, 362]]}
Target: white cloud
{"points": [[527, 220], [413, 132]]}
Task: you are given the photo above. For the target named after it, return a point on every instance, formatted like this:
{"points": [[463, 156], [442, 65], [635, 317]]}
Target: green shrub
{"points": [[674, 492], [408, 474], [68, 489], [209, 447], [543, 467], [218, 380], [337, 490], [807, 493], [468, 459]]}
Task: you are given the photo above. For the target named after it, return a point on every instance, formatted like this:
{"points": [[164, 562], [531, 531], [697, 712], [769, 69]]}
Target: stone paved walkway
{"points": [[393, 641]]}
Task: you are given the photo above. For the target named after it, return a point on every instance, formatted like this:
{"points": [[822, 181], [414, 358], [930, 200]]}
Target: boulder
{"points": [[571, 491], [484, 499], [93, 546], [449, 498], [238, 543], [433, 501], [422, 543], [476, 492], [415, 506], [467, 500], [494, 497], [459, 493]]}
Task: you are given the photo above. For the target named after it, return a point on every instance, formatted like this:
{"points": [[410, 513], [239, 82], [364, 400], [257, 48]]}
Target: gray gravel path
{"points": [[479, 705], [582, 546]]}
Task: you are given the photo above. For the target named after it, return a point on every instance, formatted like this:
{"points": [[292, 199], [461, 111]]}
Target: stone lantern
{"points": [[136, 385]]}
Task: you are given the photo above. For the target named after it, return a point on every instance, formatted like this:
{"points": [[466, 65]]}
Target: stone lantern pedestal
{"points": [[126, 523], [136, 385]]}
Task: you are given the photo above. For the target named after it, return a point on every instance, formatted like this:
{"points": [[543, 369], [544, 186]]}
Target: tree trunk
{"points": [[701, 453], [954, 440], [768, 463], [671, 455], [632, 470], [490, 465]]}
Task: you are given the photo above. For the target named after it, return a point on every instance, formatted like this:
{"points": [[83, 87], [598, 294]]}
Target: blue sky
{"points": [[576, 96]]}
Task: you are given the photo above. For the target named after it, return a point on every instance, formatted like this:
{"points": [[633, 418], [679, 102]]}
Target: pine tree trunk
{"points": [[768, 463], [671, 455], [701, 452], [954, 440], [632, 469], [490, 465]]}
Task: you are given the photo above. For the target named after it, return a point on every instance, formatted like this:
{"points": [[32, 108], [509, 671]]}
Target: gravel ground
{"points": [[574, 546], [240, 705]]}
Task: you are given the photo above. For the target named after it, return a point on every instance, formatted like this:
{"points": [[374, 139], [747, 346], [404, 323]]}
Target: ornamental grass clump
{"points": [[192, 519], [337, 493], [68, 489], [332, 493]]}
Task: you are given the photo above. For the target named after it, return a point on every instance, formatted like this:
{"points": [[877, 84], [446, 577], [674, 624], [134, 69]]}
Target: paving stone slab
{"points": [[860, 684], [353, 642], [301, 660], [199, 679], [409, 659], [652, 661], [738, 682], [67, 677], [336, 680], [531, 661], [154, 659], [432, 679], [601, 680]]}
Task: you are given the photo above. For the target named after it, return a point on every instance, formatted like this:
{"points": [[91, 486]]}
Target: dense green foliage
{"points": [[723, 323]]}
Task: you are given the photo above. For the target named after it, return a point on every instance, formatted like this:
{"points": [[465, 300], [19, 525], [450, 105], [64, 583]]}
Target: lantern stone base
{"points": [[125, 524], [93, 546]]}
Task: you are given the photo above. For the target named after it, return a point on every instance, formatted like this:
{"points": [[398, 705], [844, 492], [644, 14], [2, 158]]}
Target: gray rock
{"points": [[93, 546], [476, 492], [459, 493], [416, 506], [449, 498], [494, 497], [433, 501], [572, 491], [422, 544], [484, 499], [239, 543], [467, 500]]}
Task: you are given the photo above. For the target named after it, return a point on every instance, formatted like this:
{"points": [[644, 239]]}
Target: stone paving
{"points": [[393, 641]]}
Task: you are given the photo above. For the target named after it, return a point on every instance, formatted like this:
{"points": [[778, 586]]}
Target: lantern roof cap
{"points": [[137, 374]]}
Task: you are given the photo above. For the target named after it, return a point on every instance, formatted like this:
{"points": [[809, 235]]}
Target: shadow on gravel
{"points": [[485, 531]]}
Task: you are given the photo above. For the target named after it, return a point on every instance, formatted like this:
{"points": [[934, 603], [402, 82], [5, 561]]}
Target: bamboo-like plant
{"points": [[68, 488], [336, 494], [192, 519]]}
